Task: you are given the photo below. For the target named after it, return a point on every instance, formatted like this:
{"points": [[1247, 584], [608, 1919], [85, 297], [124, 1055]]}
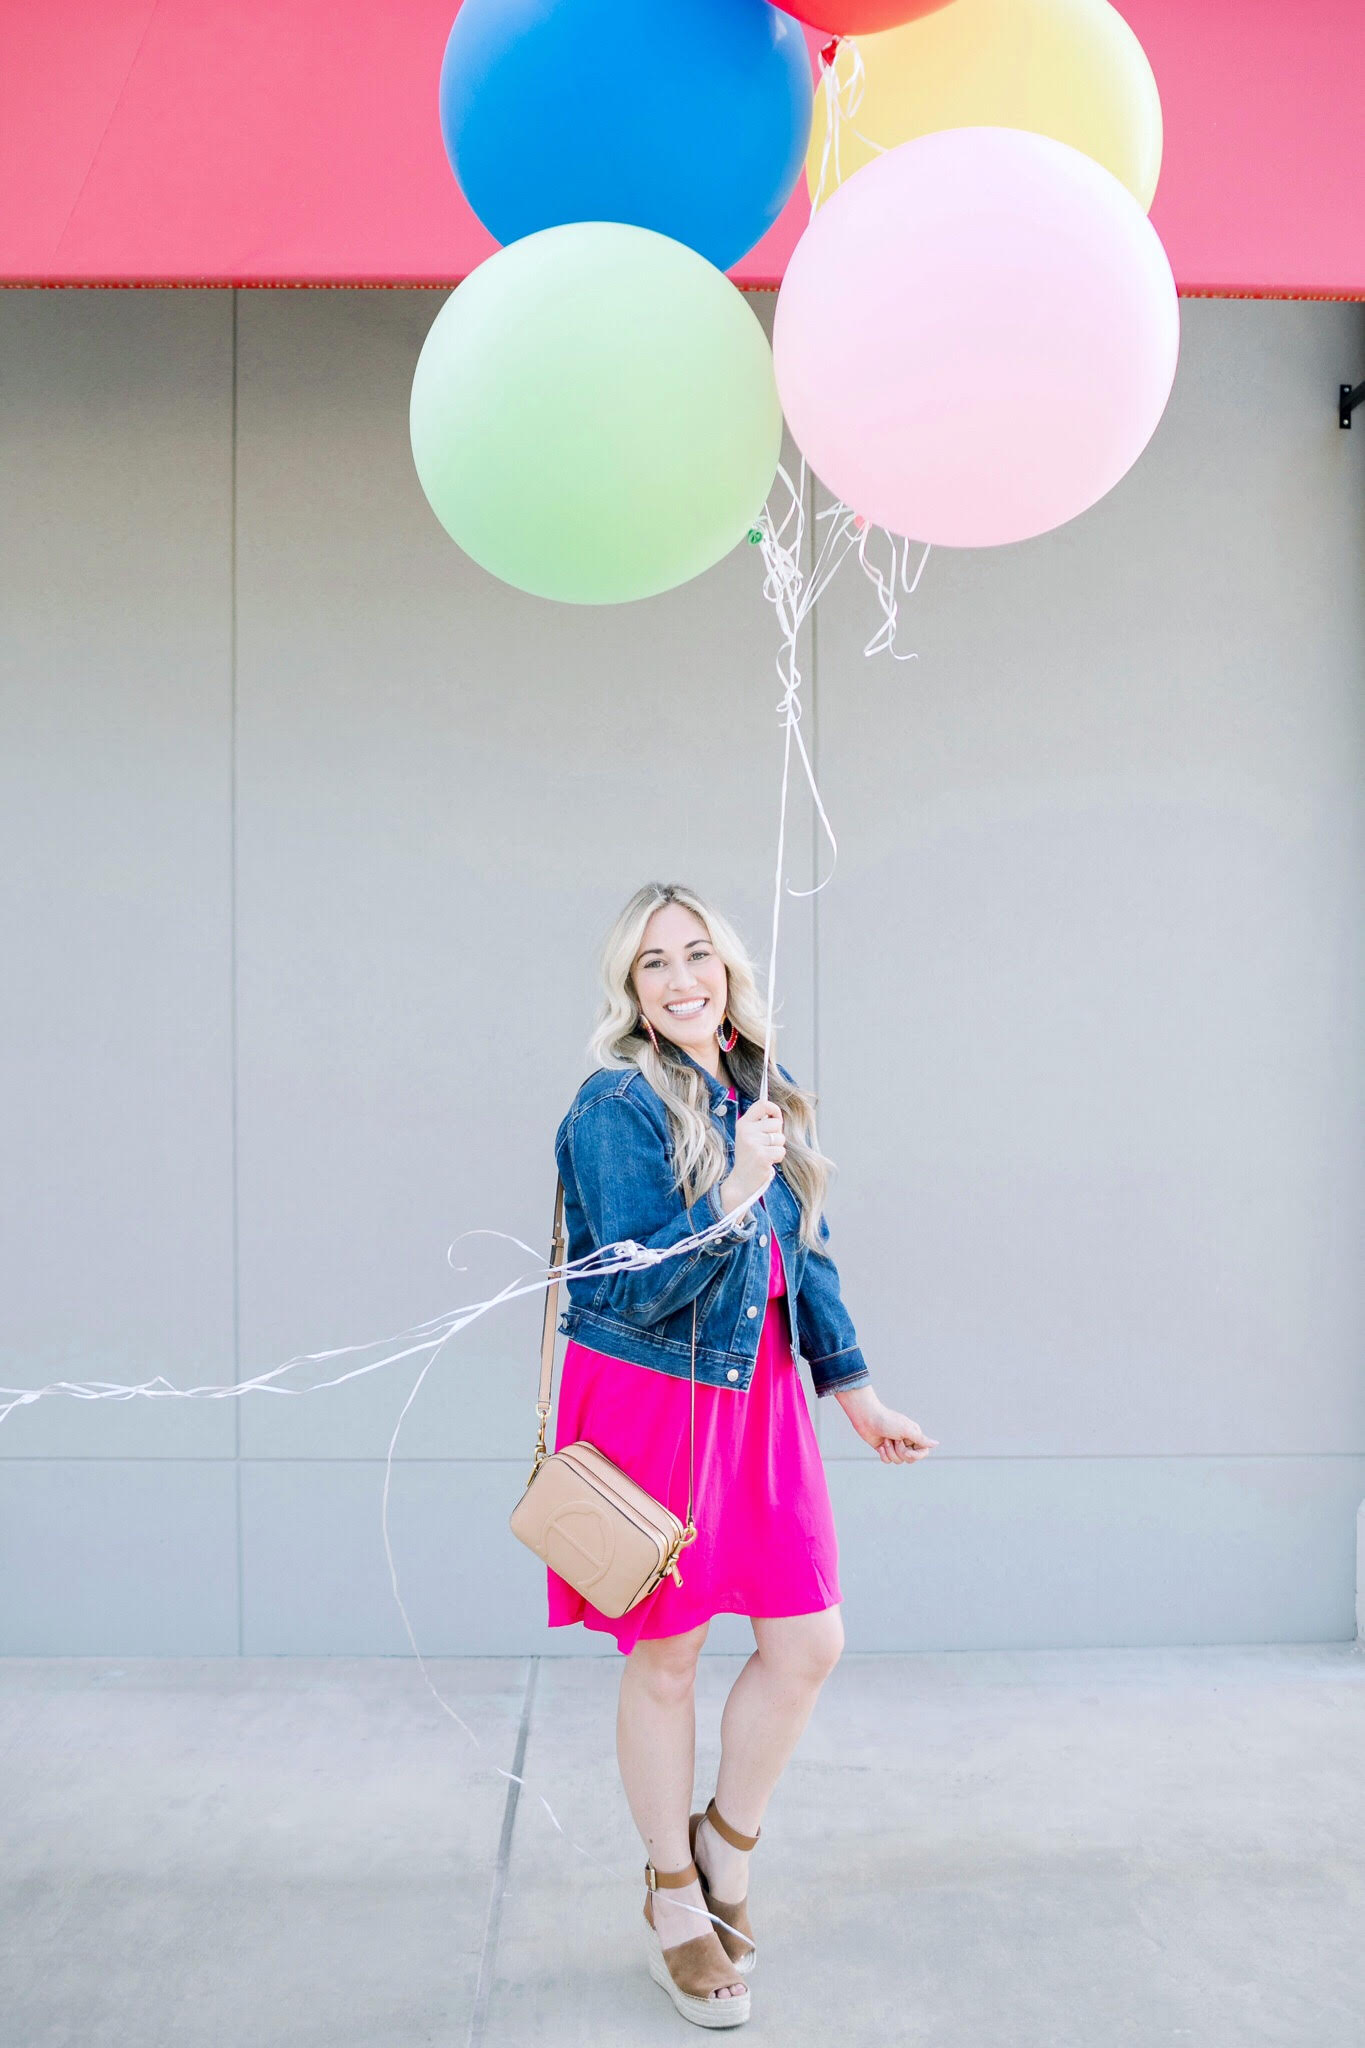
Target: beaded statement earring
{"points": [[727, 1044]]}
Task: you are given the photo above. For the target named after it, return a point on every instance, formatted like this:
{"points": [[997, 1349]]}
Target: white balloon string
{"points": [[624, 1256], [883, 641], [785, 585], [843, 81], [793, 594]]}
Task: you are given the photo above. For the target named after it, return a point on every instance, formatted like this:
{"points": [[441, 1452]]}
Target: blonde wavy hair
{"points": [[620, 1039]]}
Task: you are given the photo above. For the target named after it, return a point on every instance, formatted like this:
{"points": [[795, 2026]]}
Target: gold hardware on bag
{"points": [[689, 1535], [583, 1516], [542, 1410]]}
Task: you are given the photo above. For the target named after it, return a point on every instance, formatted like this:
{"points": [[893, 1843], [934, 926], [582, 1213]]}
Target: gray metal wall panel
{"points": [[115, 853], [118, 1557], [1092, 992], [1083, 1001], [1069, 1553]]}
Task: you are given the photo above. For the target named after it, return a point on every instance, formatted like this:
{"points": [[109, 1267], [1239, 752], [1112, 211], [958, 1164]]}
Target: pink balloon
{"points": [[976, 336]]}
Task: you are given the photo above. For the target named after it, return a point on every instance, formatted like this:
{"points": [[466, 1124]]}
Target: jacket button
{"points": [[753, 1312], [733, 1373], [763, 1241]]}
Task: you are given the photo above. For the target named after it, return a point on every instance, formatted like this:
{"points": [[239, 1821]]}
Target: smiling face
{"points": [[680, 981]]}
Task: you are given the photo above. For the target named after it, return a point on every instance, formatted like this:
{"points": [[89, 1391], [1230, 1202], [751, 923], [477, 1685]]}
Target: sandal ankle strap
{"points": [[727, 1833], [658, 1880]]}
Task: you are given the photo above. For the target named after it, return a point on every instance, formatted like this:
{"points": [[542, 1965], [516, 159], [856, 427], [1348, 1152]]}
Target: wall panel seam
{"points": [[232, 979]]}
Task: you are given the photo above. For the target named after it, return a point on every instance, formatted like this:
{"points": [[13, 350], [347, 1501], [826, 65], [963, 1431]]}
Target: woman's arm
{"points": [[843, 1370], [622, 1170], [825, 1333], [829, 1342]]}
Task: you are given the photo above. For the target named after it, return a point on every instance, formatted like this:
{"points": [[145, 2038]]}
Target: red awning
{"points": [[275, 142]]}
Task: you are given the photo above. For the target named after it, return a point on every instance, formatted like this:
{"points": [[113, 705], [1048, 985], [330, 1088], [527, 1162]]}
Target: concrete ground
{"points": [[983, 1849]]}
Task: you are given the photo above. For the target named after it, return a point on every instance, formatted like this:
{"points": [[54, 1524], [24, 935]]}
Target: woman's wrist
{"points": [[732, 1194]]}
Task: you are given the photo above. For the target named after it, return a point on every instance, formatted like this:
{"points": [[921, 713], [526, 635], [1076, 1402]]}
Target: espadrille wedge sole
{"points": [[740, 1946], [691, 1970]]}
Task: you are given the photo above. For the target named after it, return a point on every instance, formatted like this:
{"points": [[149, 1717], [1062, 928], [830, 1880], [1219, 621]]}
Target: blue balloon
{"points": [[690, 117]]}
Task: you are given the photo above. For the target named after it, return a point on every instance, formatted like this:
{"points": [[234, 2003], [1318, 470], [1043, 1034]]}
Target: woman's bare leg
{"points": [[656, 1734], [768, 1707]]}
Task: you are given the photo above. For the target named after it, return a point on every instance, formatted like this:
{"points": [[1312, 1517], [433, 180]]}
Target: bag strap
{"points": [[547, 1361], [547, 1335]]}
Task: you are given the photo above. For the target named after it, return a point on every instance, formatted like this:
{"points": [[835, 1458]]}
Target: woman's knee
{"points": [[801, 1648], [667, 1665]]}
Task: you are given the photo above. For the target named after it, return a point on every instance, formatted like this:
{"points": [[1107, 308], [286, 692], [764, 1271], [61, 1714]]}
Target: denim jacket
{"points": [[614, 1149]]}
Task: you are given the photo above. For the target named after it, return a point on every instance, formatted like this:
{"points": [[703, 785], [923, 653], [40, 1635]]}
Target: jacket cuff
{"points": [[836, 1374], [743, 1228], [859, 1379]]}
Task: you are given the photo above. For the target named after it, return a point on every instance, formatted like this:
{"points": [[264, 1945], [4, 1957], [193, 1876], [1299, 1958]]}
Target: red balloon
{"points": [[858, 17]]}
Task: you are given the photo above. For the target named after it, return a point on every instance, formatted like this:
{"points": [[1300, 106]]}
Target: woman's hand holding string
{"points": [[760, 1148]]}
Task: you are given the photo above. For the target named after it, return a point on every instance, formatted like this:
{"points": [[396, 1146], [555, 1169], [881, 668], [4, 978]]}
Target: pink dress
{"points": [[765, 1528]]}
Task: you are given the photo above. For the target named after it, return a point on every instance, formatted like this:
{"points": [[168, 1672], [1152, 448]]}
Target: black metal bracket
{"points": [[1349, 397]]}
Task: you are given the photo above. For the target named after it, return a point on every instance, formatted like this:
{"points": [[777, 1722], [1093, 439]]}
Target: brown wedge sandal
{"points": [[690, 1970], [741, 1946]]}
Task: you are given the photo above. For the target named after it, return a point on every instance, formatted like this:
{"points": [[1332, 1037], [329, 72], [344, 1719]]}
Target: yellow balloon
{"points": [[1072, 69]]}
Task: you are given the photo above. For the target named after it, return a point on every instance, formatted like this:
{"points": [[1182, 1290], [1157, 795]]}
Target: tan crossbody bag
{"points": [[581, 1514]]}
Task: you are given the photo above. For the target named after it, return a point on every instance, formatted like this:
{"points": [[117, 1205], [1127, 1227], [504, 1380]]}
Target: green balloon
{"points": [[594, 414]]}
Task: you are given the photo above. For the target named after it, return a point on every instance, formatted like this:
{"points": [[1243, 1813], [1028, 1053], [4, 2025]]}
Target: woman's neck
{"points": [[717, 1068]]}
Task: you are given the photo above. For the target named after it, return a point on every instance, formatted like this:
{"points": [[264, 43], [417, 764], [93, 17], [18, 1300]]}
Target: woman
{"points": [[664, 1140]]}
